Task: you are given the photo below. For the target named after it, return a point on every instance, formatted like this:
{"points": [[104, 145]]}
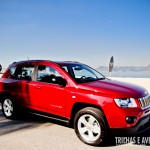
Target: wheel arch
{"points": [[3, 95], [80, 105]]}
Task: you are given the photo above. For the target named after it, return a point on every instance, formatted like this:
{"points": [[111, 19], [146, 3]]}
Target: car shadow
{"points": [[24, 121], [29, 121]]}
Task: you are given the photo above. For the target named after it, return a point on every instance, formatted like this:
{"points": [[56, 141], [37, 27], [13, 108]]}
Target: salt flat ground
{"points": [[36, 133]]}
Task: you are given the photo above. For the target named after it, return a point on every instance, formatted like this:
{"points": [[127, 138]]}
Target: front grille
{"points": [[145, 102]]}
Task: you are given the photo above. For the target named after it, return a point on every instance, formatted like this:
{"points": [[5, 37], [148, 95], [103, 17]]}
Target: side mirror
{"points": [[62, 82]]}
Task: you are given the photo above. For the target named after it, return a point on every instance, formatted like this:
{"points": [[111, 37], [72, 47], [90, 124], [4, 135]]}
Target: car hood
{"points": [[115, 88]]}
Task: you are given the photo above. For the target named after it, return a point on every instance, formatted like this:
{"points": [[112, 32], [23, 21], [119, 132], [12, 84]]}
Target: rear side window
{"points": [[12, 71], [25, 72]]}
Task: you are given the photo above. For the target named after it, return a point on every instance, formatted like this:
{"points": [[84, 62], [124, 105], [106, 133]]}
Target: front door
{"points": [[48, 95]]}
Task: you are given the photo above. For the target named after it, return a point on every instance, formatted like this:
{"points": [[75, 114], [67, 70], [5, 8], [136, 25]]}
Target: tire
{"points": [[90, 126], [8, 108]]}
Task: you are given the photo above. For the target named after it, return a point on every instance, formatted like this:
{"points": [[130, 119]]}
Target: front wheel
{"points": [[8, 108], [90, 126]]}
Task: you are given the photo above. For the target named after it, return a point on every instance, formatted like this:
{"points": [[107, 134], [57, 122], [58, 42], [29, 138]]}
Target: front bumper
{"points": [[142, 125]]}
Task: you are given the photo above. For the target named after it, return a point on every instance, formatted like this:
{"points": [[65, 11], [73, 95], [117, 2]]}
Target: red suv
{"points": [[76, 94]]}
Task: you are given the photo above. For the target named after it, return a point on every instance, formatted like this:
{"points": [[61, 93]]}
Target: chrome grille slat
{"points": [[145, 102], [141, 102]]}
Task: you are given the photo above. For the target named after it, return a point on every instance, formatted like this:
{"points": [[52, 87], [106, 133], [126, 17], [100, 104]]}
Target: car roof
{"points": [[57, 62], [65, 62]]}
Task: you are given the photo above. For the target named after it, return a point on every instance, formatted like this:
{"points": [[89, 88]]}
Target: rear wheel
{"points": [[90, 126], [8, 108]]}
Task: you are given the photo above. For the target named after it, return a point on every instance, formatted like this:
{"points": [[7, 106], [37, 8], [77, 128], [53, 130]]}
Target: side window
{"points": [[25, 72], [65, 68], [47, 74], [12, 71]]}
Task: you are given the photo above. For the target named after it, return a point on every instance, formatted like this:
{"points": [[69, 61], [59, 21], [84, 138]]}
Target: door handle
{"points": [[38, 87]]}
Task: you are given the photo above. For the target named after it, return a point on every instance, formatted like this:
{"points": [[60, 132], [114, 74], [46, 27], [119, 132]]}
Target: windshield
{"points": [[82, 73]]}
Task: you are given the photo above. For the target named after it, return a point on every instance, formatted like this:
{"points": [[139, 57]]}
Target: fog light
{"points": [[130, 119]]}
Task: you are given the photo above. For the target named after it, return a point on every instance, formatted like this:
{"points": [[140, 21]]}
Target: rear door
{"points": [[21, 85]]}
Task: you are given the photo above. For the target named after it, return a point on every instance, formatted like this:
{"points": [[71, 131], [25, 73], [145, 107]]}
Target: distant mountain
{"points": [[125, 68]]}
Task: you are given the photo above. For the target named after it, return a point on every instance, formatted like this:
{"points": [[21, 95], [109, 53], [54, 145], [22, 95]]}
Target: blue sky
{"points": [[88, 31]]}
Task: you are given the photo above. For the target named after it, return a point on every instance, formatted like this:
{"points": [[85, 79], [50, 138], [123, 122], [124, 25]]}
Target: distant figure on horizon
{"points": [[0, 68], [111, 64]]}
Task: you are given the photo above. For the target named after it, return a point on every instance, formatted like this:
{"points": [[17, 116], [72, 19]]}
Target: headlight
{"points": [[126, 102]]}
